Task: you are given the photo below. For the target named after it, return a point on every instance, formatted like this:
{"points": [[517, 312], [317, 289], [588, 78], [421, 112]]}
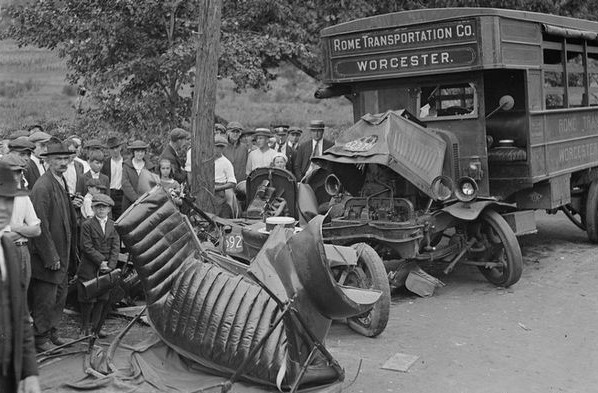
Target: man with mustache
{"points": [[52, 250]]}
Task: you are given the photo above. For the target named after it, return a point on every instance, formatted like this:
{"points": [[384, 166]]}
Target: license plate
{"points": [[233, 243]]}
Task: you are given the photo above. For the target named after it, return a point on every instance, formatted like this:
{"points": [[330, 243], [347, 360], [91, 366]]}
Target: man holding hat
{"points": [[179, 142], [224, 179], [35, 166], [18, 366], [236, 151], [263, 155], [312, 148], [100, 245], [53, 249], [113, 168]]}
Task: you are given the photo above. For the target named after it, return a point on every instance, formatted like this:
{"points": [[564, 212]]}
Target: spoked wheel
{"points": [[496, 244], [575, 217], [592, 212], [369, 273]]}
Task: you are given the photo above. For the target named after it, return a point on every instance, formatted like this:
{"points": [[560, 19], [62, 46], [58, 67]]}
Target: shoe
{"points": [[43, 347], [56, 340]]}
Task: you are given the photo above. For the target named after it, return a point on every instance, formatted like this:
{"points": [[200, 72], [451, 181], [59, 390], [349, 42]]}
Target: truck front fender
{"points": [[469, 211]]}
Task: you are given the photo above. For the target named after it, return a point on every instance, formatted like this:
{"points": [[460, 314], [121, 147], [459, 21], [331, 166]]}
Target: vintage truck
{"points": [[468, 120]]}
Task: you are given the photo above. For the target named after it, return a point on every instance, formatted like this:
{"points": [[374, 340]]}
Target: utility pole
{"points": [[204, 103]]}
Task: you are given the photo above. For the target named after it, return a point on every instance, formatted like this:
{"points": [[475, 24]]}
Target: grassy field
{"points": [[33, 90]]}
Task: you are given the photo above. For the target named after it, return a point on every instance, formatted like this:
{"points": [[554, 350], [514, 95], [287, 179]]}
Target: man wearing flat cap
{"points": [[52, 251], [179, 142], [282, 134], [236, 151], [224, 180], [35, 166], [312, 148]]}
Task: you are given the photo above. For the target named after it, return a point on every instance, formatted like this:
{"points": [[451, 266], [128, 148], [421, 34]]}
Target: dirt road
{"points": [[537, 336]]}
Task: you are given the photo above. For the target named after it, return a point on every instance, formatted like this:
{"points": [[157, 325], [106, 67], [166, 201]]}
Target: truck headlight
{"points": [[467, 189]]}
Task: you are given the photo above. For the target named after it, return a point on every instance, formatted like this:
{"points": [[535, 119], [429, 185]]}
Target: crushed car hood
{"points": [[390, 139]]}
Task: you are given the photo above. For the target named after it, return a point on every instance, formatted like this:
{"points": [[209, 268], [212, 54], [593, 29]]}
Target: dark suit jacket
{"points": [[31, 174], [59, 229], [302, 157], [178, 173], [97, 247], [23, 354], [80, 187], [130, 182], [103, 178]]}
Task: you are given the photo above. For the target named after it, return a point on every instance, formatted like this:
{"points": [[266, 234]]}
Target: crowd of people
{"points": [[58, 203]]}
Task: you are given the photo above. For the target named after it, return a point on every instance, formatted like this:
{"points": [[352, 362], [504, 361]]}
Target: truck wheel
{"points": [[500, 245], [370, 273], [592, 212]]}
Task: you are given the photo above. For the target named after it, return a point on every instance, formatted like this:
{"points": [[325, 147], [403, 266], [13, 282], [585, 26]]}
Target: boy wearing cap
{"points": [[263, 155], [132, 168], [100, 245], [94, 187], [312, 148], [18, 366]]}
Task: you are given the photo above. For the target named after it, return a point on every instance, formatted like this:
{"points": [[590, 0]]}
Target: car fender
{"points": [[470, 211]]}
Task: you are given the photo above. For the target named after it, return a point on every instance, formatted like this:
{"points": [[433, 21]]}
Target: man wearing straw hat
{"points": [[53, 249], [263, 155]]}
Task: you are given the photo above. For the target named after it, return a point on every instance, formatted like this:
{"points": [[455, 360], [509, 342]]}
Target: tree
{"points": [[136, 58]]}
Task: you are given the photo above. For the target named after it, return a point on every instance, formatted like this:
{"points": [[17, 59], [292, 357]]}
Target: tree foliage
{"points": [[136, 58]]}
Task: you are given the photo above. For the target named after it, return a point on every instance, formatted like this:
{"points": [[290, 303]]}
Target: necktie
{"points": [[316, 152]]}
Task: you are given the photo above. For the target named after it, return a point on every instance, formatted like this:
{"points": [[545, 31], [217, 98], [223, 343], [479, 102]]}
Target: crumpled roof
{"points": [[390, 139]]}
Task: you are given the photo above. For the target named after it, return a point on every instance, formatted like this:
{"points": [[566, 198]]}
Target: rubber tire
{"points": [[592, 212], [511, 246], [373, 267]]}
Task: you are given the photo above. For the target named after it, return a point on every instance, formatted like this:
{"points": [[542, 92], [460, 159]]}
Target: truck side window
{"points": [[456, 100]]}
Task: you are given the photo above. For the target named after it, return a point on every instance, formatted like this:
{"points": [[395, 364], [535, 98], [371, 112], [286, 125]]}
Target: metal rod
{"points": [[116, 342], [451, 265], [49, 351]]}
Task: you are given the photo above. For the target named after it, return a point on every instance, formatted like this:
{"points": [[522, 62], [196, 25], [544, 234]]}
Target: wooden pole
{"points": [[204, 103]]}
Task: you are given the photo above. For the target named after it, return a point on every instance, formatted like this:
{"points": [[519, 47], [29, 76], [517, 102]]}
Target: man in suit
{"points": [[179, 142], [282, 133], [312, 148], [113, 168], [35, 166], [17, 354], [53, 249]]}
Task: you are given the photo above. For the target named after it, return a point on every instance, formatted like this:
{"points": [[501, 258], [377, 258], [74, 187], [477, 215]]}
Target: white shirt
{"points": [[23, 212], [116, 173], [259, 159], [70, 175], [224, 171], [188, 161], [3, 273], [138, 165], [38, 164], [86, 166], [316, 147], [103, 222]]}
